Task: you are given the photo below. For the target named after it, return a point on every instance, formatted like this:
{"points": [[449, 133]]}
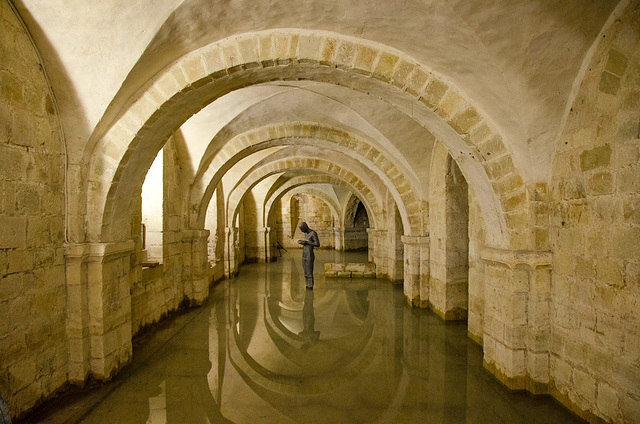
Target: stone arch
{"points": [[326, 233], [320, 195], [350, 209], [307, 133], [119, 155], [303, 185], [296, 182], [449, 237], [250, 369], [321, 166]]}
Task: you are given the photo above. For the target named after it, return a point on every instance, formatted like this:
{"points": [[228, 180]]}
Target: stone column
{"points": [[77, 324], [376, 254], [338, 235], [265, 236], [517, 326], [98, 309], [425, 271], [195, 272], [416, 270], [230, 251]]}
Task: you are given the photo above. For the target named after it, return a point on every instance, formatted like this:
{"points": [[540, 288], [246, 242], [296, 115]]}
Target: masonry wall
{"points": [[311, 209], [595, 235], [215, 244], [389, 254], [449, 248], [160, 289], [253, 233], [356, 222], [475, 318], [33, 349]]}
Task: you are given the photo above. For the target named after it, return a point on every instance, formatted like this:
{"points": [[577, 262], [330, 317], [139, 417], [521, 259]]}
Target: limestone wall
{"points": [[158, 290], [475, 318], [311, 209], [356, 222], [253, 231], [33, 350], [215, 244], [595, 235], [449, 248]]}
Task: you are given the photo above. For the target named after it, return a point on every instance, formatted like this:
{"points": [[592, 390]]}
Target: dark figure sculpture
{"points": [[310, 241]]}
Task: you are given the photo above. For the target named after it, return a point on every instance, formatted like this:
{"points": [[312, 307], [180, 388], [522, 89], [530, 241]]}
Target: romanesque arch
{"points": [[299, 186], [120, 156], [321, 166], [303, 133]]}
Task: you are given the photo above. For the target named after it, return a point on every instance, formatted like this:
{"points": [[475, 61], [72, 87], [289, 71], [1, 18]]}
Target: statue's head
{"points": [[304, 227]]}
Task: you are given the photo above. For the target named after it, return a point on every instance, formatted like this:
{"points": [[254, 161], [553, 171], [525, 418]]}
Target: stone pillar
{"points": [[517, 325], [425, 271], [338, 235], [230, 251], [376, 253], [195, 271], [267, 248], [77, 324], [416, 270], [98, 308]]}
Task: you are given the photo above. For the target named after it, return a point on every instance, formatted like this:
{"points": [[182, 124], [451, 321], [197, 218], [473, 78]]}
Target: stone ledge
{"points": [[350, 270]]}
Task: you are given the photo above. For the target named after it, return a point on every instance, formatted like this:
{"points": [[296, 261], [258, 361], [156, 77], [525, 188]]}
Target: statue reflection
{"points": [[309, 334]]}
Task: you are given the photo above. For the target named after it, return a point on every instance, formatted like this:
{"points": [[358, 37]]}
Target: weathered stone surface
{"points": [[595, 158]]}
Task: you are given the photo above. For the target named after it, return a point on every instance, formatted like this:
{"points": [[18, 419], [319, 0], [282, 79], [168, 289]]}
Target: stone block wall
{"points": [[253, 229], [595, 235], [33, 350], [215, 224], [386, 249], [311, 209], [355, 239], [158, 290], [475, 317], [449, 249]]}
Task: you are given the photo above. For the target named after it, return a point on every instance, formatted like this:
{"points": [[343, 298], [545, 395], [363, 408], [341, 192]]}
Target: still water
{"points": [[265, 350]]}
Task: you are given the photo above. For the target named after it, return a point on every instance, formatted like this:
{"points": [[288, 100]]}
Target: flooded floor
{"points": [[265, 350]]}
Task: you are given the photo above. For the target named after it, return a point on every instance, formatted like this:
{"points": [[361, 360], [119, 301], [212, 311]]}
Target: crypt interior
{"points": [[468, 164]]}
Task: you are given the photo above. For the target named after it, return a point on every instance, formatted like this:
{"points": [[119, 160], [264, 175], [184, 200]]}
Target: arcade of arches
{"points": [[486, 156]]}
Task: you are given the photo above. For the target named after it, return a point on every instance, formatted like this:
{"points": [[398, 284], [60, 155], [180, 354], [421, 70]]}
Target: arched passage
{"points": [[354, 182], [121, 155], [303, 133]]}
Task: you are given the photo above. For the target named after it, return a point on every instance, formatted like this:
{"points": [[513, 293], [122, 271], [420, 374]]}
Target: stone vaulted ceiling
{"points": [[516, 61]]}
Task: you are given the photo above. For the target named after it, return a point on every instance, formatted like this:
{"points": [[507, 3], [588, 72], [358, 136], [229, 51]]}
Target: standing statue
{"points": [[310, 241]]}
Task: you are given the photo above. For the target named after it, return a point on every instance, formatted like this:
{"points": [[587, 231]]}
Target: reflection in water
{"points": [[264, 349], [308, 333]]}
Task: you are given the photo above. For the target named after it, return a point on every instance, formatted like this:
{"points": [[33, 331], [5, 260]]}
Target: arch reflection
{"points": [[350, 351]]}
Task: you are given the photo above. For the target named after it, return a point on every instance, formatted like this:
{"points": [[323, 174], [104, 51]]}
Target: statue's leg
{"points": [[307, 266]]}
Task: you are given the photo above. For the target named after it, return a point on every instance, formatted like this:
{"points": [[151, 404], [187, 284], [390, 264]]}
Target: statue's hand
{"points": [[302, 242]]}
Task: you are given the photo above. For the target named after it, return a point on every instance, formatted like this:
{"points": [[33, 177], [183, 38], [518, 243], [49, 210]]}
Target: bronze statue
{"points": [[310, 241]]}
